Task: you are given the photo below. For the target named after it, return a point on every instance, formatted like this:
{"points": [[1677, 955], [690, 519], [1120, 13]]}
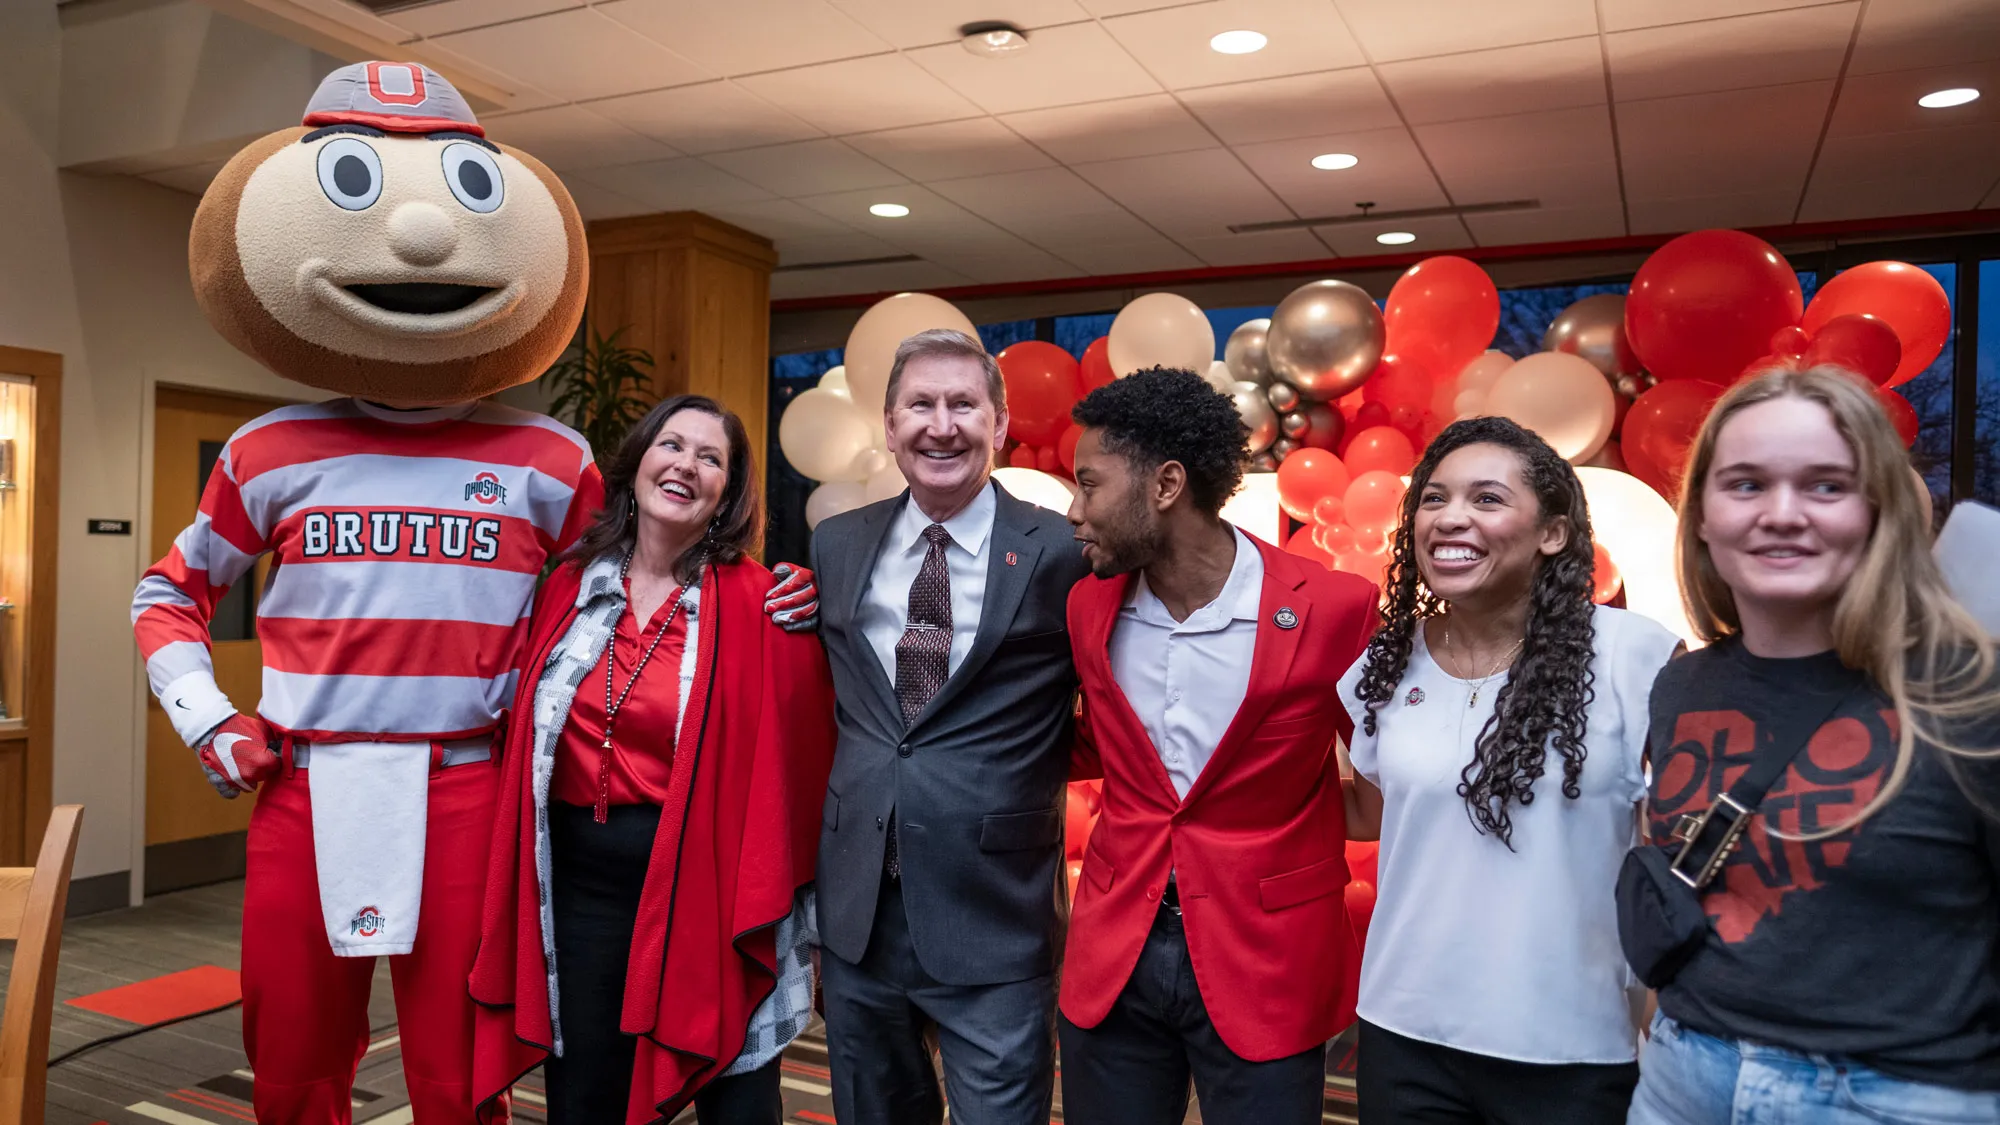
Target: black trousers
{"points": [[597, 871], [1134, 1067], [1404, 1081]]}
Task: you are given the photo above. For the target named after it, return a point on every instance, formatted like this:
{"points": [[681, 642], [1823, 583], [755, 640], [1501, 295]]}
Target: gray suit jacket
{"points": [[977, 782]]}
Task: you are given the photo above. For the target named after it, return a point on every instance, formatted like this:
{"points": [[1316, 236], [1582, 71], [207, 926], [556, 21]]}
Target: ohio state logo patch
{"points": [[487, 489], [1415, 697], [367, 922], [397, 83]]}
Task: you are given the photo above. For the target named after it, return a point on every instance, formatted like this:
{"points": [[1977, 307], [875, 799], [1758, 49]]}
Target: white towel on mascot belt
{"points": [[1966, 552], [369, 801]]}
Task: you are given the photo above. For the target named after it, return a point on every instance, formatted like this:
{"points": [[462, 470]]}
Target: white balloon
{"points": [[822, 433], [1218, 376], [1483, 371], [833, 498], [1161, 330], [867, 463], [886, 482], [835, 380], [871, 346], [1636, 528], [1044, 490]]}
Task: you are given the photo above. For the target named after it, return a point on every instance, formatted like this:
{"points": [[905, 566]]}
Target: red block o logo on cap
{"points": [[396, 83]]}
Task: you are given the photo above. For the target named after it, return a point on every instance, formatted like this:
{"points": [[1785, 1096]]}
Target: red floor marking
{"points": [[164, 998], [817, 1118], [807, 1069], [212, 1104]]}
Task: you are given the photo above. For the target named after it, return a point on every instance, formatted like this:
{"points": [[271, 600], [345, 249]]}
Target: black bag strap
{"points": [[1778, 746]]}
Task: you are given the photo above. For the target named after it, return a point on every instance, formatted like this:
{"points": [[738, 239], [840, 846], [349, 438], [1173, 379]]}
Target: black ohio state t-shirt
{"points": [[1881, 944]]}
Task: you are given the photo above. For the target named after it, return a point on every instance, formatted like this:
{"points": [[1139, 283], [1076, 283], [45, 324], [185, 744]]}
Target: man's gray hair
{"points": [[945, 343]]}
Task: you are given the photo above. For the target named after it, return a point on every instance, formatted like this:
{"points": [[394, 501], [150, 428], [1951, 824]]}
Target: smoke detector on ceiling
{"points": [[993, 39]]}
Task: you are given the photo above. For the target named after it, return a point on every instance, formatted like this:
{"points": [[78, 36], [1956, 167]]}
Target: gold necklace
{"points": [[1506, 662]]}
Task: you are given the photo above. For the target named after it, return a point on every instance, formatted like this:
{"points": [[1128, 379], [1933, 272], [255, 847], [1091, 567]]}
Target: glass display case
{"points": [[17, 453]]}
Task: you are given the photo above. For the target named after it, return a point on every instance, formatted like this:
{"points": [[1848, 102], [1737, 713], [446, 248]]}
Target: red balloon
{"points": [[1398, 381], [1066, 448], [1374, 502], [1046, 459], [1604, 577], [1901, 414], [1336, 539], [1306, 477], [1304, 547], [1042, 384], [1859, 343], [1443, 311], [1904, 297], [1707, 303], [1328, 511], [1023, 457], [1372, 565], [1381, 447], [1410, 420], [1660, 428], [1370, 415], [1791, 340], [1096, 365], [1350, 404]]}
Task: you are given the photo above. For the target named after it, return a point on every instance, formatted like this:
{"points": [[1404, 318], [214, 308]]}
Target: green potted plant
{"points": [[597, 389]]}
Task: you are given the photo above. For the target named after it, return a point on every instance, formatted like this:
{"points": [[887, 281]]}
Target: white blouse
{"points": [[1511, 954]]}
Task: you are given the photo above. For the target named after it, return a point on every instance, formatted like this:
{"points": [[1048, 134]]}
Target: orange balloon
{"points": [[1374, 501], [1605, 580], [1304, 547], [1308, 476], [1381, 447]]}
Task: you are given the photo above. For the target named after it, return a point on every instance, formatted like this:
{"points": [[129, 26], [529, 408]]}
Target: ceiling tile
{"points": [[1753, 209], [1799, 45], [1112, 130], [1414, 29], [675, 185], [1065, 65], [1464, 151], [806, 168], [576, 55], [849, 247], [521, 95], [1525, 79], [782, 221], [458, 15], [977, 146], [1305, 105], [1969, 153], [1918, 33], [1624, 15], [1739, 142], [1020, 262], [568, 137], [710, 117], [1121, 7], [1305, 36], [746, 36], [933, 224], [594, 202], [1830, 200], [862, 95], [937, 21], [1887, 102], [901, 277], [1392, 174], [1192, 194], [1559, 224], [1154, 254], [1051, 207], [1259, 248], [1992, 198], [1554, 186], [1357, 240]]}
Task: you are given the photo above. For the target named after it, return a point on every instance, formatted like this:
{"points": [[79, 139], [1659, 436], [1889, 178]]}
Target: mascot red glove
{"points": [[239, 755]]}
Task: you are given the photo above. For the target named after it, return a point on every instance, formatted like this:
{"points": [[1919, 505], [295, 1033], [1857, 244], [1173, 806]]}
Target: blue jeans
{"points": [[1688, 1078]]}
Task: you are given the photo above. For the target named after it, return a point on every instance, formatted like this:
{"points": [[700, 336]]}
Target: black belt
{"points": [[453, 752], [1171, 897]]}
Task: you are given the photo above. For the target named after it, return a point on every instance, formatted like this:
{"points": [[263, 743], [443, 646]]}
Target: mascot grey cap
{"points": [[395, 97]]}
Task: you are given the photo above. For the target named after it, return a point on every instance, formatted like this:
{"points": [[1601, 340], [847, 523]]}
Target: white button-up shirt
{"points": [[1186, 679], [885, 608]]}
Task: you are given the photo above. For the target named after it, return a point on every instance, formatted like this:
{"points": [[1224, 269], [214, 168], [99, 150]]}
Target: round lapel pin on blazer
{"points": [[1415, 697], [1285, 618]]}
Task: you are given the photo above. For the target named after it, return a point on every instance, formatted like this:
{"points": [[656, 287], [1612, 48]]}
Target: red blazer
{"points": [[1257, 847]]}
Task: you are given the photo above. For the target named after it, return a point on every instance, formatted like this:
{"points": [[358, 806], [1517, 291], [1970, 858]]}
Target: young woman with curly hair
{"points": [[1493, 989], [1851, 971]]}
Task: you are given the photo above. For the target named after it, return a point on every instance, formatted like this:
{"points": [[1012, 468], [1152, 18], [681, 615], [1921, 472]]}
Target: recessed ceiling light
{"points": [[992, 39], [1334, 161], [889, 210], [1395, 238], [1238, 42], [1944, 99]]}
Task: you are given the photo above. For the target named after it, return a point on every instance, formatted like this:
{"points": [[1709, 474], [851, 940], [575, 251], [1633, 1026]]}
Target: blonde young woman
{"points": [[1852, 969]]}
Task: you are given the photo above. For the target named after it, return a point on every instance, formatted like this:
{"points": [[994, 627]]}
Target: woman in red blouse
{"points": [[647, 923]]}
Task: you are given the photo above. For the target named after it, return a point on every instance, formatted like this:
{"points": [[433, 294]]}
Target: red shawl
{"points": [[737, 838]]}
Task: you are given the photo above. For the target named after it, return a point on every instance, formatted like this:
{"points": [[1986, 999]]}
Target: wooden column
{"points": [[696, 293]]}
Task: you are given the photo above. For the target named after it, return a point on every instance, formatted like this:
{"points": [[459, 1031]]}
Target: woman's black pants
{"points": [[597, 873]]}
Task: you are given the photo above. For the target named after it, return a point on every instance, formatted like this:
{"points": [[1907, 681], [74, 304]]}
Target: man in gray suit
{"points": [[943, 615]]}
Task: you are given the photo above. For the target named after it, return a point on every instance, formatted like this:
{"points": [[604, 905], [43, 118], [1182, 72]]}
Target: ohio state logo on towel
{"points": [[367, 922], [487, 489]]}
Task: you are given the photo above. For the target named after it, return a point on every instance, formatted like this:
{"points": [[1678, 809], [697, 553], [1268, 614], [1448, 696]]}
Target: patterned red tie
{"points": [[923, 655]]}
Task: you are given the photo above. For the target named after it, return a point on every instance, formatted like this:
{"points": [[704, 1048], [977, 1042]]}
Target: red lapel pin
{"points": [[1012, 558]]}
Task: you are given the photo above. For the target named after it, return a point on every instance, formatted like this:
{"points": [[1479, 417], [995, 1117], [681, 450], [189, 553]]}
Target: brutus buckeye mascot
{"points": [[389, 252]]}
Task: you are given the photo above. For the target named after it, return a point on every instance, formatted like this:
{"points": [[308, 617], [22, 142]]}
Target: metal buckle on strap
{"points": [[1689, 830]]}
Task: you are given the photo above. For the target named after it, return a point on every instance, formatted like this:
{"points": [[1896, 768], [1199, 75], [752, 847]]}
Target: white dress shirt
{"points": [[885, 608], [1186, 679]]}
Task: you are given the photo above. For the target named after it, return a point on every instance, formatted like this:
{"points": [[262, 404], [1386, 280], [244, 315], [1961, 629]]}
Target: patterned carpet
{"points": [[194, 1073]]}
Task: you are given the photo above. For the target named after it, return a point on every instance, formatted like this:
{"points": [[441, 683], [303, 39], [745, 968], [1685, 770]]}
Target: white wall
{"points": [[95, 268]]}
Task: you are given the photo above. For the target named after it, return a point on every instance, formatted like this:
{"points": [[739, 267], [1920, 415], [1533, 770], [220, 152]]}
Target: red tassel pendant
{"points": [[602, 811]]}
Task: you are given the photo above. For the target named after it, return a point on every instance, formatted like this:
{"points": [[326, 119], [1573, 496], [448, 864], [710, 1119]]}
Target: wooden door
{"points": [[194, 836]]}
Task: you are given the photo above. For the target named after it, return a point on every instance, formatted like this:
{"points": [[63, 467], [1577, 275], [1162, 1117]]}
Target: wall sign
{"points": [[111, 527]]}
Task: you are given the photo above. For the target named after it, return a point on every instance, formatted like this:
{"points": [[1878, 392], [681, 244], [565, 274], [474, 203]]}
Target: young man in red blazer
{"points": [[1209, 937]]}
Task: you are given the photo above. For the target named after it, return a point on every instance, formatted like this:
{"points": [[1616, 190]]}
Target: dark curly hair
{"points": [[1167, 414], [1542, 704]]}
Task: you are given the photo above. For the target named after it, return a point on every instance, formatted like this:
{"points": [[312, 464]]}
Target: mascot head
{"points": [[388, 250]]}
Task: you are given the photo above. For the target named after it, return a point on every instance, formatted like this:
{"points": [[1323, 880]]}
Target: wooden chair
{"points": [[32, 902]]}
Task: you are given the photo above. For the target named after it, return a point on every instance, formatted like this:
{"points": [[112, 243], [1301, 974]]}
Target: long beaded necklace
{"points": [[602, 811], [1506, 662]]}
